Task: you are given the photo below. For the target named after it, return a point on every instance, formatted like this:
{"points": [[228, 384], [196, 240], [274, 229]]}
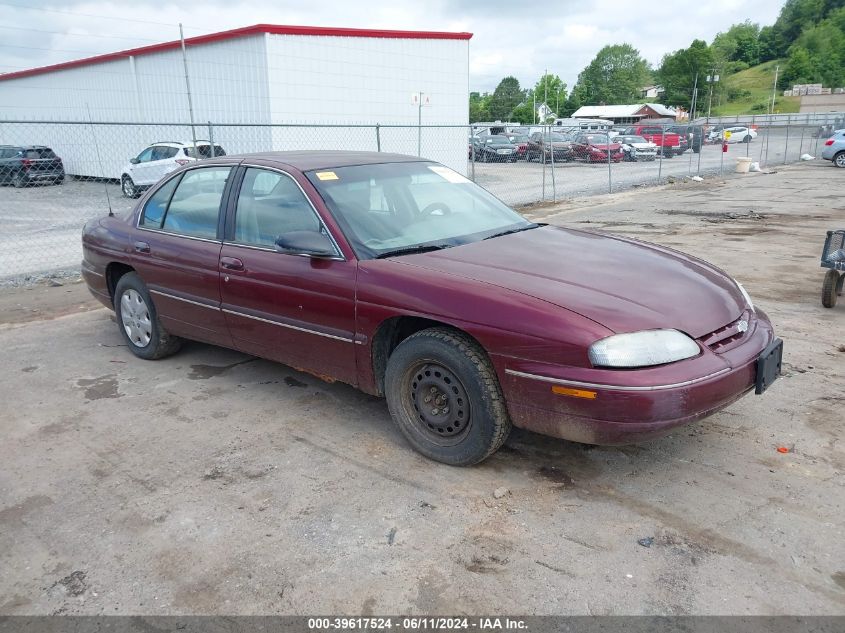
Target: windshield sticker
{"points": [[447, 174], [327, 175]]}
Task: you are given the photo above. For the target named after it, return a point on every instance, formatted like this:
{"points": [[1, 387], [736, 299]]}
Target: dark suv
{"points": [[23, 166]]}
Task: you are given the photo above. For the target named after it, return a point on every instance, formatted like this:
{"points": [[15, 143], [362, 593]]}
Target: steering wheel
{"points": [[437, 208]]}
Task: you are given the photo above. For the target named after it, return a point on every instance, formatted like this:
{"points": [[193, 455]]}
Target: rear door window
{"points": [[153, 214], [194, 209]]}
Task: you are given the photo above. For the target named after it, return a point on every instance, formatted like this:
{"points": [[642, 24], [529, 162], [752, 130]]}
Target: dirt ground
{"points": [[216, 483]]}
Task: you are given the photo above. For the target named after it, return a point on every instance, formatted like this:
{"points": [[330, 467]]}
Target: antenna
{"points": [[99, 159]]}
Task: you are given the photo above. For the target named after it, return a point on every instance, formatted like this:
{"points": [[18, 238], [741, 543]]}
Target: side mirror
{"points": [[134, 161], [310, 243]]}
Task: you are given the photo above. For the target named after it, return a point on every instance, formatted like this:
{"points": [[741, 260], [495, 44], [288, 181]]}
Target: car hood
{"points": [[604, 146], [622, 284], [643, 145]]}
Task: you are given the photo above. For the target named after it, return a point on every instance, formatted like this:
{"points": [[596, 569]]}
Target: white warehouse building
{"points": [[258, 88]]}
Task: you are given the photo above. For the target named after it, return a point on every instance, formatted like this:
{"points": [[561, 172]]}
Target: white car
{"points": [[739, 135], [636, 148], [158, 160]]}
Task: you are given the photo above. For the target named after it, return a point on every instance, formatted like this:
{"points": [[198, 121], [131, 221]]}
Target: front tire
{"points": [[127, 185], [831, 288], [138, 320], [19, 180], [444, 396]]}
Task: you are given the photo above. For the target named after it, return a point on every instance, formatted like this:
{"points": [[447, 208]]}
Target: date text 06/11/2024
{"points": [[375, 623]]}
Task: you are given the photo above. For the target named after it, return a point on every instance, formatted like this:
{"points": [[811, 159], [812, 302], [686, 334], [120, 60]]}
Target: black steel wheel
{"points": [[831, 288], [444, 396]]}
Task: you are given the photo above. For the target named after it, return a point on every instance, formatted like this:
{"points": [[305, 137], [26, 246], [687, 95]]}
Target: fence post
{"points": [[801, 146], [472, 150], [210, 138], [609, 169], [662, 148], [378, 137], [552, 146], [786, 144]]}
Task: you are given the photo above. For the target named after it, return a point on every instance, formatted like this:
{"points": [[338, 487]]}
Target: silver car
{"points": [[834, 148]]}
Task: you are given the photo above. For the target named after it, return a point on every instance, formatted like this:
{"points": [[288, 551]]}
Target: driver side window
{"points": [[146, 155], [270, 204]]}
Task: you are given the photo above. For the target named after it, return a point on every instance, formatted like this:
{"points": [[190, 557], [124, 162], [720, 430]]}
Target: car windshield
{"points": [[391, 207], [518, 138], [555, 138], [496, 139], [597, 138], [632, 139]]}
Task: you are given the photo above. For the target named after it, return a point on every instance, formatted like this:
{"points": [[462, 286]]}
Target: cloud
{"points": [[509, 40]]}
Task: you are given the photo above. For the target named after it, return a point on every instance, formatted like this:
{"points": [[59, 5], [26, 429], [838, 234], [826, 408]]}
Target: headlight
{"points": [[745, 295], [642, 349]]}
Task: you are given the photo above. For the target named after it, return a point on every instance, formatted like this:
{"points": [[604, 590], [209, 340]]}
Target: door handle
{"points": [[142, 247], [231, 263]]}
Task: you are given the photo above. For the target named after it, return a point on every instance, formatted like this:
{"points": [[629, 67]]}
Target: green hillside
{"points": [[750, 92]]}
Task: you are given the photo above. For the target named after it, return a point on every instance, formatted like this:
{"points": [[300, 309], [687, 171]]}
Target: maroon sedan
{"points": [[595, 147], [401, 277]]}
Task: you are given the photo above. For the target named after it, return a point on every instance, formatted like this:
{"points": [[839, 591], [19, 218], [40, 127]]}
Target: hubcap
{"points": [[840, 160], [128, 189], [440, 402], [136, 318]]}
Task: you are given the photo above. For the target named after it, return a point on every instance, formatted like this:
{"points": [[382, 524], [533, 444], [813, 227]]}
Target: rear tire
{"points": [[443, 394], [747, 138], [839, 159], [832, 283], [138, 322]]}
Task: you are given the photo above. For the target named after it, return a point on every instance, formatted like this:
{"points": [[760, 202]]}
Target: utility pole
{"points": [[693, 103], [774, 92], [712, 78]]}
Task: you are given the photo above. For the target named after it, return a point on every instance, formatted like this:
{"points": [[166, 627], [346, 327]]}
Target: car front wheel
{"points": [[444, 396], [839, 159], [19, 180], [128, 187], [138, 320]]}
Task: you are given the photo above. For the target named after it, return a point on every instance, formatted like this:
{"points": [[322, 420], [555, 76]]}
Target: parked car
{"points": [[521, 142], [668, 143], [402, 278], [738, 135], [694, 135], [636, 148], [22, 166], [495, 148], [595, 147], [158, 160], [834, 148], [549, 146]]}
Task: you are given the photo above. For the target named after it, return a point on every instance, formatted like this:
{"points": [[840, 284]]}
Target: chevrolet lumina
{"points": [[401, 277]]}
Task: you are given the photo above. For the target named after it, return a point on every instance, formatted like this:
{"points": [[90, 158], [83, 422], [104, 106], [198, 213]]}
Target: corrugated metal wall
{"points": [[256, 79]]}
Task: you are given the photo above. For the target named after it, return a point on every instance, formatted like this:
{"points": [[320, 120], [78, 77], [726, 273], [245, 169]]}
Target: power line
{"points": [[91, 15], [67, 33]]}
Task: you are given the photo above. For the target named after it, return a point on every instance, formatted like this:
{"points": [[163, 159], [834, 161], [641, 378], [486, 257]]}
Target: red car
{"points": [[403, 278], [594, 148]]}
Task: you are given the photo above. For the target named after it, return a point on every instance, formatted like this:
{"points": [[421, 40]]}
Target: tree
{"points": [[740, 43], [524, 112], [479, 107], [616, 75], [505, 98], [678, 71], [552, 90]]}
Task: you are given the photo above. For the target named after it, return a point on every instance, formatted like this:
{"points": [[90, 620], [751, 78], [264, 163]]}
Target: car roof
{"points": [[307, 160], [179, 144]]}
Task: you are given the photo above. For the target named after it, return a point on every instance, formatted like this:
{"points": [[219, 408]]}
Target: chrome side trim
{"points": [[92, 272], [593, 385], [187, 237], [286, 325], [170, 296]]}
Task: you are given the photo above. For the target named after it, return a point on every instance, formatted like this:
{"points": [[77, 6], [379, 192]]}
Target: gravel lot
{"points": [[212, 482], [40, 226]]}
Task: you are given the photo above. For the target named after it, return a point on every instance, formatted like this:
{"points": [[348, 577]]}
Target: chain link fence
{"points": [[55, 176]]}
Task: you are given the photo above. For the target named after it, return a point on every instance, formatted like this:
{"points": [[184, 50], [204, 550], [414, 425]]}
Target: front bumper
{"points": [[632, 405]]}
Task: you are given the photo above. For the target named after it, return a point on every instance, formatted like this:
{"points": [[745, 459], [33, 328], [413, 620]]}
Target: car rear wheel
{"points": [[747, 138], [127, 185], [138, 320], [831, 288], [444, 396], [839, 159]]}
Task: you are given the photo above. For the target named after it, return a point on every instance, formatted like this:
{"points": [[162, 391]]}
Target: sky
{"points": [[508, 38]]}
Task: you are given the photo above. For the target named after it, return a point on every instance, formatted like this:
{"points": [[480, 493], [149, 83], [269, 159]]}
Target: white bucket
{"points": [[743, 164]]}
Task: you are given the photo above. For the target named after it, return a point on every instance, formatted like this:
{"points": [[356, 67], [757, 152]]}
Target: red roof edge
{"points": [[276, 29]]}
